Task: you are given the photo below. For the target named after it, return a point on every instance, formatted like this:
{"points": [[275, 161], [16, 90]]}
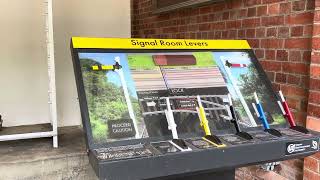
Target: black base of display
{"points": [[180, 143], [225, 175], [273, 132], [214, 139], [244, 135], [300, 129], [207, 163]]}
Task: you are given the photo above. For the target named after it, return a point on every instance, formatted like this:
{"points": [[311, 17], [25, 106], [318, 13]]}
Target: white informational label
{"points": [[302, 146]]}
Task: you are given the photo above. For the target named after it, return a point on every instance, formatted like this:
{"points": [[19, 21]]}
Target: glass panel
{"points": [[141, 95], [243, 79]]}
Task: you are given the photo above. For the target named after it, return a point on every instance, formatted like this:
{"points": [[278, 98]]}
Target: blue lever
{"points": [[261, 113], [262, 117]]}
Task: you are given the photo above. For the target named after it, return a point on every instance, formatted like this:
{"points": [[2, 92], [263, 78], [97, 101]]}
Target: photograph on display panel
{"points": [[134, 106], [243, 79], [128, 93]]}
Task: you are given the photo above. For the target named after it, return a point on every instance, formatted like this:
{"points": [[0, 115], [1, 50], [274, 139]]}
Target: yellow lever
{"points": [[204, 121], [102, 67]]}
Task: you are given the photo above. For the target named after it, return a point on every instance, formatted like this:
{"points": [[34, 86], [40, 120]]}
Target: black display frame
{"points": [[219, 163], [83, 102]]}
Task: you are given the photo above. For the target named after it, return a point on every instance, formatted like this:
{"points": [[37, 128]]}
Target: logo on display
{"points": [[314, 145], [302, 146], [291, 148]]}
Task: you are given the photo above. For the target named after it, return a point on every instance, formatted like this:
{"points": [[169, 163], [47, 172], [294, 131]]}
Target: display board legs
{"points": [[55, 141], [217, 175]]}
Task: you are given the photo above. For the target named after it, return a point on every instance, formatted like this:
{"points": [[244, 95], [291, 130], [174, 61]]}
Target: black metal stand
{"points": [[218, 175]]}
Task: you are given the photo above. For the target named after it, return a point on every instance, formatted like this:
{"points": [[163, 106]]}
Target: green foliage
{"points": [[141, 61], [204, 59], [278, 119], [100, 129], [250, 83], [105, 100]]}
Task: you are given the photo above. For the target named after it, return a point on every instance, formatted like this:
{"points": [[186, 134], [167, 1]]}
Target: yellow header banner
{"points": [[135, 43]]}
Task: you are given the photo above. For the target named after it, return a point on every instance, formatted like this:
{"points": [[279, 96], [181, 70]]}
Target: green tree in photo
{"points": [[251, 82], [104, 99]]}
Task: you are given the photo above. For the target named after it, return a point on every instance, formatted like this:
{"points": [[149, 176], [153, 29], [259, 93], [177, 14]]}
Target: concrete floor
{"points": [[37, 159]]}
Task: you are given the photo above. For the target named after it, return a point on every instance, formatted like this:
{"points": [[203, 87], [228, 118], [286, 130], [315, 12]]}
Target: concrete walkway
{"points": [[36, 159]]}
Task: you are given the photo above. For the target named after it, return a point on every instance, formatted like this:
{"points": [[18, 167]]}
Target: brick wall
{"points": [[312, 163], [282, 36]]}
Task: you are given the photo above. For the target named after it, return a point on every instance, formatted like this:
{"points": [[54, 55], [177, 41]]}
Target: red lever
{"points": [[238, 65], [235, 65], [288, 114]]}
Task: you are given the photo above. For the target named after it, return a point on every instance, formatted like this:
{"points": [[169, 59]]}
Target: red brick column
{"points": [[312, 163]]}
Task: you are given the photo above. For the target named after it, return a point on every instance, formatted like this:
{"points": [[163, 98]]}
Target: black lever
{"points": [[234, 120]]}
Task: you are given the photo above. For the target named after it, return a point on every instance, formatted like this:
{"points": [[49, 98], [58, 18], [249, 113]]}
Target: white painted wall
{"points": [[23, 69]]}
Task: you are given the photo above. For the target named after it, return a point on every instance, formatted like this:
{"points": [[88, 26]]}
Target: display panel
{"points": [[129, 94], [182, 106]]}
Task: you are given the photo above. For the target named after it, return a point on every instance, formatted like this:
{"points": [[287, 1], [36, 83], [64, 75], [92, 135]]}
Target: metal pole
{"points": [[51, 72], [170, 119], [127, 97]]}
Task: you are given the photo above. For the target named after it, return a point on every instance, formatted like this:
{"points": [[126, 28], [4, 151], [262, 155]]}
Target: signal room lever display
{"points": [[180, 109]]}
